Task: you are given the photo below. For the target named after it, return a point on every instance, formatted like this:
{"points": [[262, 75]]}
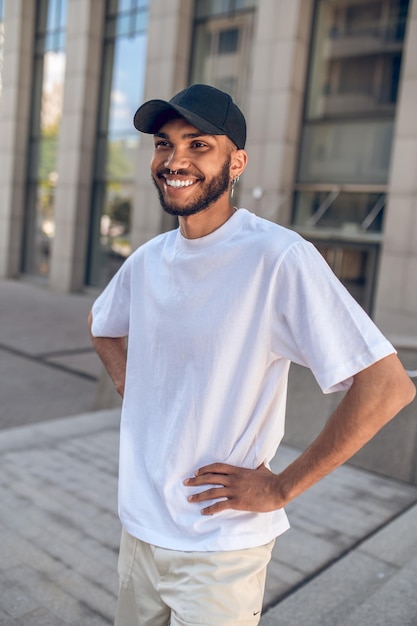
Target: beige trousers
{"points": [[160, 587]]}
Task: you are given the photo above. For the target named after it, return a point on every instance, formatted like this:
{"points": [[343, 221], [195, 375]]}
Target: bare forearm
{"points": [[376, 396], [112, 352]]}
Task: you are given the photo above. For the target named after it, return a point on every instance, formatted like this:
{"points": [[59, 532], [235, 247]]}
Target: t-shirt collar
{"points": [[224, 232]]}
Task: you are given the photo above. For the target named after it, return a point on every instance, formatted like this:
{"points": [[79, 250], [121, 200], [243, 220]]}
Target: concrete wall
{"points": [[396, 303], [170, 31], [77, 143], [273, 112], [392, 452], [280, 59], [19, 20]]}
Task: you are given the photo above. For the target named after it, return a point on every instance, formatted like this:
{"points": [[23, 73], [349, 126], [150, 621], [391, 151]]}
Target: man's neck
{"points": [[205, 222]]}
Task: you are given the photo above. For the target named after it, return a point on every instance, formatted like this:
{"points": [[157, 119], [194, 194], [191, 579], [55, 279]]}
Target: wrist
{"points": [[284, 489], [119, 385]]}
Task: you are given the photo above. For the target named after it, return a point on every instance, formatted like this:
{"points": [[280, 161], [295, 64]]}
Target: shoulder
{"points": [[271, 239]]}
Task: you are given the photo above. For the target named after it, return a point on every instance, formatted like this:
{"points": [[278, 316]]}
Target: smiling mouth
{"points": [[181, 180], [179, 183]]}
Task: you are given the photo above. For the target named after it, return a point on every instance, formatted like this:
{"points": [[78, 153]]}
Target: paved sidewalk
{"points": [[350, 558], [351, 535], [48, 368], [59, 530]]}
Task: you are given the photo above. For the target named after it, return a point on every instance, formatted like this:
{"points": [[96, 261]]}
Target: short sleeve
{"points": [[318, 324], [112, 308]]}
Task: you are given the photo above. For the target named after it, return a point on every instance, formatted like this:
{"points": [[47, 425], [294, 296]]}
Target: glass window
{"points": [[123, 76], [354, 264], [222, 45], [228, 41], [352, 91], [222, 42], [353, 74], [47, 104], [347, 132], [346, 152], [345, 227], [211, 8], [353, 213]]}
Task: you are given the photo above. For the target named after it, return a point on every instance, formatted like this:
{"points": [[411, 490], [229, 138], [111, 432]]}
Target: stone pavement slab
{"points": [[393, 603], [59, 530], [33, 392], [36, 320], [397, 542], [48, 368], [372, 585], [348, 560], [329, 520]]}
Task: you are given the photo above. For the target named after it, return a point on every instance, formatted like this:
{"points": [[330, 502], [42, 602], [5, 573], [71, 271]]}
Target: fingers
{"points": [[206, 479], [214, 474], [217, 507], [210, 494], [216, 468], [238, 488]]}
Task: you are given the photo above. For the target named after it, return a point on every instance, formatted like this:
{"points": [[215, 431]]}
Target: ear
{"points": [[238, 161]]}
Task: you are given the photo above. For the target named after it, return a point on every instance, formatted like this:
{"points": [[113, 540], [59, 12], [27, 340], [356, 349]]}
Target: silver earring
{"points": [[235, 180]]}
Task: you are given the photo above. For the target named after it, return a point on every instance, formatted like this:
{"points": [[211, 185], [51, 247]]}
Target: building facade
{"points": [[329, 90]]}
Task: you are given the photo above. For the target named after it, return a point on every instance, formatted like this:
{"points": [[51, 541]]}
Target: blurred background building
{"points": [[329, 90]]}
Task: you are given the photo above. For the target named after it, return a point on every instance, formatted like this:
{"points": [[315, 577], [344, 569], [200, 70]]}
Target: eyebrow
{"points": [[185, 136]]}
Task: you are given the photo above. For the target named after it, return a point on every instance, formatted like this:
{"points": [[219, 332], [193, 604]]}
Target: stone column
{"points": [[396, 301], [76, 144], [280, 58], [19, 25], [169, 42]]}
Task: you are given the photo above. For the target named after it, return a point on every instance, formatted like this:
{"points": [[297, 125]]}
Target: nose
{"points": [[176, 160]]}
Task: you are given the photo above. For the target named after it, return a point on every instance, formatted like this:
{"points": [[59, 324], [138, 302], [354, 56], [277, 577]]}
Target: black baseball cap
{"points": [[207, 108]]}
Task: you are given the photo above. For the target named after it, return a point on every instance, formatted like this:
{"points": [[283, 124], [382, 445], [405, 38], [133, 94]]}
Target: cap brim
{"points": [[155, 113]]}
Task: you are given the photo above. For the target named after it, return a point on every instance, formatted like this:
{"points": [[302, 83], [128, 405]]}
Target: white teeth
{"points": [[178, 183]]}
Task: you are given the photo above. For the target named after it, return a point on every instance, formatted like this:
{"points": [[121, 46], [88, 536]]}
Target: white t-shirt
{"points": [[213, 324]]}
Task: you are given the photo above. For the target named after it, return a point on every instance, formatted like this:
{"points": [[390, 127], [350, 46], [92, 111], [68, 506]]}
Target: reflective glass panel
{"points": [[347, 134], [356, 58], [355, 265], [352, 213], [352, 91], [211, 8], [114, 206], [47, 105], [346, 228], [221, 52], [123, 76], [346, 152], [127, 82]]}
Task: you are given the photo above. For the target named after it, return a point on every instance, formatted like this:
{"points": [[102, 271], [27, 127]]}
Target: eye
{"points": [[162, 143], [198, 144]]}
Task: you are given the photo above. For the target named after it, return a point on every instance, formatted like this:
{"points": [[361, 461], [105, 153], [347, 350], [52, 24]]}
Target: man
{"points": [[215, 311]]}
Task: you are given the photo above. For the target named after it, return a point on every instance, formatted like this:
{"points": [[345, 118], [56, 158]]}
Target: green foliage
{"points": [[119, 210], [119, 165], [48, 153]]}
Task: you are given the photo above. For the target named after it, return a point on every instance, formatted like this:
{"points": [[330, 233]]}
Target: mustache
{"points": [[163, 172]]}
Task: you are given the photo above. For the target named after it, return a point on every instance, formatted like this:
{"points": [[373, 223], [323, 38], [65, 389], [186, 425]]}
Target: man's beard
{"points": [[209, 193]]}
